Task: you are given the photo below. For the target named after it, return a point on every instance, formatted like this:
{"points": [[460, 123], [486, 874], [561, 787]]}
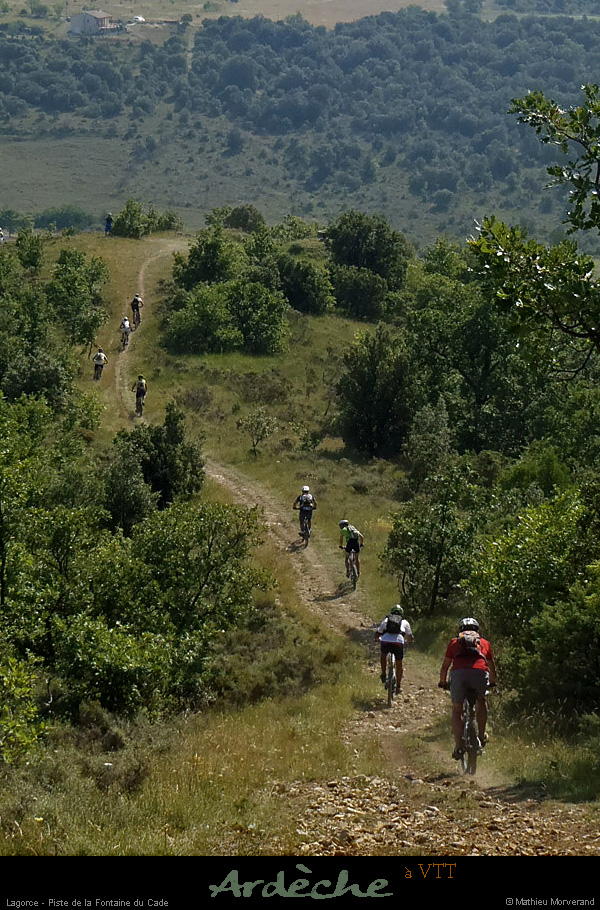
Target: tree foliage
{"points": [[374, 393]]}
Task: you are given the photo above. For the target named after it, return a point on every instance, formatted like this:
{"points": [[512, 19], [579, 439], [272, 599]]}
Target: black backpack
{"points": [[393, 625]]}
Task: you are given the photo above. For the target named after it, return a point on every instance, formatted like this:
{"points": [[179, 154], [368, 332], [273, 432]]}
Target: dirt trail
{"points": [[414, 810], [122, 387]]}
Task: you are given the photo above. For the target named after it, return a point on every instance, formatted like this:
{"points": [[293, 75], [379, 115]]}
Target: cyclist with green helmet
{"points": [[350, 539]]}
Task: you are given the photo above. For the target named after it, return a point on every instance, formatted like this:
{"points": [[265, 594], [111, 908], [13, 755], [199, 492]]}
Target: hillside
{"points": [[400, 112]]}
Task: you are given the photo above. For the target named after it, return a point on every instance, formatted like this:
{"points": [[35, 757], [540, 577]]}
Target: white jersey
{"points": [[398, 637]]}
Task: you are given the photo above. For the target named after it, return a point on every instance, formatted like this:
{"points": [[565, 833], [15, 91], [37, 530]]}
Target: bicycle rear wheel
{"points": [[470, 738], [391, 679], [353, 571], [305, 533]]}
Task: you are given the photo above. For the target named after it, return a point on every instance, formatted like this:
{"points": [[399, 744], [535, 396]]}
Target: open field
{"points": [[317, 12]]}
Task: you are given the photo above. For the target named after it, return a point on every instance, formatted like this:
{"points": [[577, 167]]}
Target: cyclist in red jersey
{"points": [[475, 670]]}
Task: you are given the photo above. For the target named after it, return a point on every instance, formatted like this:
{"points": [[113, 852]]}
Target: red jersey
{"points": [[469, 662]]}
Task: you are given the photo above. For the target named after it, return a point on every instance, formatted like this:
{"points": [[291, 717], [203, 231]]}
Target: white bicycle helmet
{"points": [[343, 523], [306, 489], [468, 624]]}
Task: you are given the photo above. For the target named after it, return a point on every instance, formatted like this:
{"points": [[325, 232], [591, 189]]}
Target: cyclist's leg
{"points": [[481, 713], [399, 665], [383, 660], [457, 725]]}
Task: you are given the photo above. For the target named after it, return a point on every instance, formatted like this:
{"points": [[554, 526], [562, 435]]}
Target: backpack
{"points": [[353, 532], [469, 644], [306, 501], [393, 625]]}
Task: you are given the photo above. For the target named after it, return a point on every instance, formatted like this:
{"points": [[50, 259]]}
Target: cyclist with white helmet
{"points": [[125, 331], [350, 539], [100, 359], [472, 661], [393, 633], [305, 503]]}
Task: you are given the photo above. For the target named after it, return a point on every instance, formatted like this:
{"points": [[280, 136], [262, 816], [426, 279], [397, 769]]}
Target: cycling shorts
{"points": [[462, 680], [352, 544], [393, 647]]}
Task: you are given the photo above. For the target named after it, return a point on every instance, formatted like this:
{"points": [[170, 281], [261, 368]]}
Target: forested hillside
{"points": [[402, 114]]}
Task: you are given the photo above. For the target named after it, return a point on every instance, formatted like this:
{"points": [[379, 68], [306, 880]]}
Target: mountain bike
{"points": [[471, 745], [136, 319], [391, 680], [139, 405], [124, 340], [98, 367]]}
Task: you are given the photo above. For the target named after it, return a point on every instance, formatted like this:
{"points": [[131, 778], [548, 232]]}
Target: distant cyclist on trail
{"points": [[350, 539], [136, 304], [100, 359], [305, 503], [472, 661], [125, 331], [393, 633], [141, 387]]}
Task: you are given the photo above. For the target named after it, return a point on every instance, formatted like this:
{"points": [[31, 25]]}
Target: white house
{"points": [[92, 22]]}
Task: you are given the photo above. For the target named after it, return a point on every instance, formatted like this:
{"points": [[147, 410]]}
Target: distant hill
{"points": [[403, 113]]}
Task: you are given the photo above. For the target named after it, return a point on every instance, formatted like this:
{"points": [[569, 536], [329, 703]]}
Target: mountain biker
{"points": [[141, 387], [108, 225], [470, 670], [305, 503], [393, 633], [100, 359], [350, 539], [125, 330], [136, 303]]}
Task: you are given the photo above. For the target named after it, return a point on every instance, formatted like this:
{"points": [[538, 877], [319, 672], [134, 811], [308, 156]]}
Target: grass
{"points": [[202, 784]]}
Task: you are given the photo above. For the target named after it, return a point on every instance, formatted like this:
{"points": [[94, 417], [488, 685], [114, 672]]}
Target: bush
{"points": [[132, 221]]}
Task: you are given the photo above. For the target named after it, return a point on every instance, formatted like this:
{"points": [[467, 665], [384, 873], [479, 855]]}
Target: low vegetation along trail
{"points": [[423, 805]]}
